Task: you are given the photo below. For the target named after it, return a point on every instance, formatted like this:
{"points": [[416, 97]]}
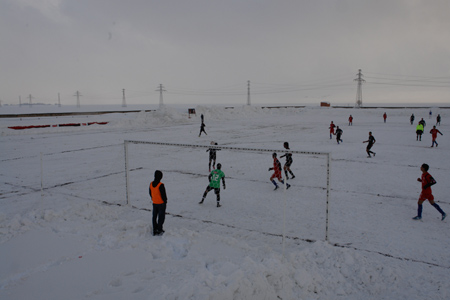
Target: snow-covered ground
{"points": [[78, 239]]}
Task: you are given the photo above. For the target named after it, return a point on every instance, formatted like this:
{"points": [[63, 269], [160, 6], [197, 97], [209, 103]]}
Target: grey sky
{"points": [[205, 51]]}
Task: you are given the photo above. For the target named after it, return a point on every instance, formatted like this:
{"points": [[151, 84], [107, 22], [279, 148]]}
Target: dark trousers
{"points": [[159, 215]]}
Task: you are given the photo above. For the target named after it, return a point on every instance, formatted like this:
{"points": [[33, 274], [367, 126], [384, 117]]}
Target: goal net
{"points": [[249, 201]]}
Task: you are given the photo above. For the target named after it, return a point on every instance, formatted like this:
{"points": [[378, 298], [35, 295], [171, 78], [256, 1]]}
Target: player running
{"points": [[277, 172], [287, 165], [371, 141], [202, 129], [214, 183], [339, 133], [426, 194], [434, 133], [331, 129]]}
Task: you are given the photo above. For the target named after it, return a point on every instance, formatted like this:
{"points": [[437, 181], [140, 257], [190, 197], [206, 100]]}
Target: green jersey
{"points": [[215, 178]]}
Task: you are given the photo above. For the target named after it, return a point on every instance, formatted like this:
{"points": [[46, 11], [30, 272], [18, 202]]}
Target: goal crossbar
{"points": [[327, 155]]}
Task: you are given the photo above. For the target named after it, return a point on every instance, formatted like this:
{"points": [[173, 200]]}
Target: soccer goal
{"points": [[249, 201]]}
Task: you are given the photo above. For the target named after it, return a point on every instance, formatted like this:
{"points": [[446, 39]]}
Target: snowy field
{"points": [[77, 238]]}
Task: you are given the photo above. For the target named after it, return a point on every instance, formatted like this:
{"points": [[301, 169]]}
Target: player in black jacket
{"points": [[339, 134], [371, 141], [288, 163]]}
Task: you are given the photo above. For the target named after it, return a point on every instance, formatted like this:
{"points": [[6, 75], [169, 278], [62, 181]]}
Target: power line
{"points": [[414, 85], [410, 80]]}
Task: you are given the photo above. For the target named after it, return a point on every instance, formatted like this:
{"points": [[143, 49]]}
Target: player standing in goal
{"points": [[157, 192], [277, 172], [287, 165], [214, 183]]}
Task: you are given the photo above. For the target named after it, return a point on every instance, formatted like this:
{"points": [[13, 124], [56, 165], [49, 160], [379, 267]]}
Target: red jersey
{"points": [[434, 133], [276, 170], [427, 182], [276, 166], [332, 128]]}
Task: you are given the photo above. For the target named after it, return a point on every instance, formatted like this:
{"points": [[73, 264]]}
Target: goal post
{"points": [[325, 155]]}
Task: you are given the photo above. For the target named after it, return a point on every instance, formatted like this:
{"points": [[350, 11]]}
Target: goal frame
{"points": [[327, 155]]}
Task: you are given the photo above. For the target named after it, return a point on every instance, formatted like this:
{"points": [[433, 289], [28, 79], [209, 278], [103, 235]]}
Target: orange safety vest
{"points": [[156, 194]]}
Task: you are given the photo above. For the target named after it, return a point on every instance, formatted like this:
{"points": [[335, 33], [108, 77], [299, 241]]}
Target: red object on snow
{"points": [[58, 125]]}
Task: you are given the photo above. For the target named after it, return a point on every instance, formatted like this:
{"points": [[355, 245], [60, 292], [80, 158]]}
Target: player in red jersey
{"points": [[426, 194], [434, 133], [277, 172], [331, 129]]}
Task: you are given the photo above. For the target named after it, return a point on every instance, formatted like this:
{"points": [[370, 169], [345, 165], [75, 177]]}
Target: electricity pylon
{"points": [[359, 90]]}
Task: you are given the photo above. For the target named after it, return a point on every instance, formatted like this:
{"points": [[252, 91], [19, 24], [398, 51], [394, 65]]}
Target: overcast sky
{"points": [[206, 51]]}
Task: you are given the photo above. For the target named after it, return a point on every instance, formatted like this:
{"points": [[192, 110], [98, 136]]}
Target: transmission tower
{"points": [[161, 90], [124, 103], [248, 92], [78, 95], [29, 103], [359, 90]]}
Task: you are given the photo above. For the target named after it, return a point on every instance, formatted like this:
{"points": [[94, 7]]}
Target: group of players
{"points": [[371, 140], [426, 179], [217, 176]]}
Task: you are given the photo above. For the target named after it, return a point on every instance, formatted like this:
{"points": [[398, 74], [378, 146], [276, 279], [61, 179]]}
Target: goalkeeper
{"points": [[214, 183]]}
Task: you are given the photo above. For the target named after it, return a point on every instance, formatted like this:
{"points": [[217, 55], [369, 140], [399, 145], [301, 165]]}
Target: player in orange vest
{"points": [[157, 192]]}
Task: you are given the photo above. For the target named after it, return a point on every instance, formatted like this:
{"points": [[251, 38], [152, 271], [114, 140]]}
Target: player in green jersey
{"points": [[214, 183]]}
